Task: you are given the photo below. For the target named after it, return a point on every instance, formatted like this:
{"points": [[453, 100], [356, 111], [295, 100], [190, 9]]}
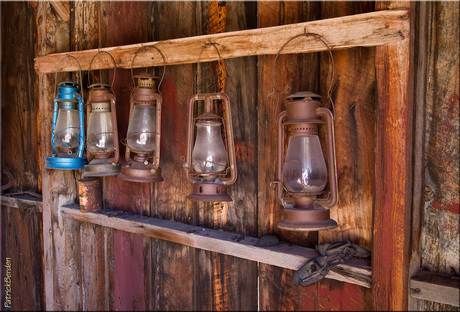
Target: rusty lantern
{"points": [[303, 173], [102, 138], [143, 137], [210, 165]]}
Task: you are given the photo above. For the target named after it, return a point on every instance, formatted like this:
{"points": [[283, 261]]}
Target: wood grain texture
{"points": [[293, 73], [22, 245], [439, 221], [393, 179], [353, 94], [173, 282], [283, 255], [95, 285], [420, 27], [20, 154], [370, 29], [22, 202], [62, 9], [440, 227], [437, 287], [61, 245], [127, 23]]}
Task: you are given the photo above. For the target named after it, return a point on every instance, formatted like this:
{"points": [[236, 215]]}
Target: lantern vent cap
{"points": [[146, 80], [304, 95], [99, 86]]}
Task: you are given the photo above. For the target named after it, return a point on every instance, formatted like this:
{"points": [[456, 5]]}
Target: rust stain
{"points": [[217, 24], [451, 207]]}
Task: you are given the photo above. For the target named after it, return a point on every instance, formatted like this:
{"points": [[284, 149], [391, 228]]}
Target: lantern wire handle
{"points": [[57, 66], [164, 64], [213, 44], [320, 38], [114, 67]]}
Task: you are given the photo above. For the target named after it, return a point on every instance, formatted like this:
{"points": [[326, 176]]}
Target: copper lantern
{"points": [[210, 161], [144, 133], [102, 135], [303, 172]]}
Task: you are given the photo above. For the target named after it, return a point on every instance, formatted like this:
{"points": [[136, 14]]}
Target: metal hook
{"points": [[304, 34], [114, 64], [164, 63], [57, 67], [213, 44]]}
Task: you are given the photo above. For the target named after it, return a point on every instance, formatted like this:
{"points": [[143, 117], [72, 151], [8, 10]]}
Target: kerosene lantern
{"points": [[303, 173], [210, 162], [144, 133], [68, 133], [102, 139]]}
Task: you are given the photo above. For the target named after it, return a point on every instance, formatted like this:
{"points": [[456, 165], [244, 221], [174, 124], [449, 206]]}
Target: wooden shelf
{"points": [[436, 287], [357, 271], [360, 30], [22, 202]]}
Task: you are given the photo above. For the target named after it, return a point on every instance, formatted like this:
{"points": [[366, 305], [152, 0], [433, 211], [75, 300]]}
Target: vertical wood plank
{"points": [[339, 296], [421, 43], [393, 179], [20, 154], [439, 232], [22, 245], [440, 227], [127, 23], [293, 73], [95, 262], [353, 94], [173, 281], [61, 238], [21, 237]]}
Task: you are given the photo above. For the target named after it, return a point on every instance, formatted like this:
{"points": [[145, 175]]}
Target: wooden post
{"points": [[393, 172], [61, 240]]}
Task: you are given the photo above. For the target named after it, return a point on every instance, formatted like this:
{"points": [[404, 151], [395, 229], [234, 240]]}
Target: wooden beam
{"points": [[283, 255], [441, 288], [365, 30], [62, 8], [22, 202], [393, 173]]}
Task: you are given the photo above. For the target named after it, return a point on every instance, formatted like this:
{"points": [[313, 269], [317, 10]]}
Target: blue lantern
{"points": [[68, 134]]}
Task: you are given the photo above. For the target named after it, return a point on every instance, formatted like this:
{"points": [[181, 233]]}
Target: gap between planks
{"points": [[360, 30], [357, 271]]}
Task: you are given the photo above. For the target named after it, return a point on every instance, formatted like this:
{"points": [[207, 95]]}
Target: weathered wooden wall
{"points": [[21, 229], [436, 241], [90, 267]]}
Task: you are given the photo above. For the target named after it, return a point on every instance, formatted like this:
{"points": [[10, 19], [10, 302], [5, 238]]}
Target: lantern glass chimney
{"points": [[67, 127], [209, 154], [141, 129], [304, 168], [100, 129]]}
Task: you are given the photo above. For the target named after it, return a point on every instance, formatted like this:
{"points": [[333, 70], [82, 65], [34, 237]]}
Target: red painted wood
{"points": [[127, 23], [129, 272], [338, 296]]}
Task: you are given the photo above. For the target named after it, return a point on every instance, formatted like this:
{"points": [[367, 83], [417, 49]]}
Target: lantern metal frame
{"points": [[68, 93], [101, 163], [211, 186], [305, 211], [141, 168]]}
